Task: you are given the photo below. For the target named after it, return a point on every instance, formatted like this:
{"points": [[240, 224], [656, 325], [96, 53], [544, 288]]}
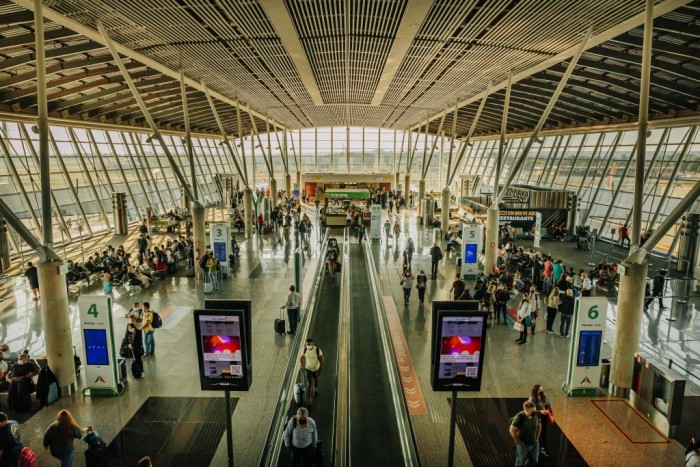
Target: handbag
{"points": [[528, 322], [518, 326]]}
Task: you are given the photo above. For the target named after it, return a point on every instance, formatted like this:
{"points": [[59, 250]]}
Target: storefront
{"points": [[315, 185], [340, 201]]}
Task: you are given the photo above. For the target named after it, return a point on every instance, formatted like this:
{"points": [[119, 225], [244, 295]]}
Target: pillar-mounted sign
{"points": [[220, 234], [376, 223]]}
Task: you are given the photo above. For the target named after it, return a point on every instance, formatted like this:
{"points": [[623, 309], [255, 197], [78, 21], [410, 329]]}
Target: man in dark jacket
{"points": [[32, 275], [657, 290], [435, 257], [566, 310]]}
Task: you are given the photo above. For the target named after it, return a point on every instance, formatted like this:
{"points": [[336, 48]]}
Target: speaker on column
{"points": [[121, 224], [688, 242]]}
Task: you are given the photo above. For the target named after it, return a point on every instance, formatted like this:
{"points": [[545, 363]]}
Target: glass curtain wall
{"points": [[87, 166], [600, 168]]}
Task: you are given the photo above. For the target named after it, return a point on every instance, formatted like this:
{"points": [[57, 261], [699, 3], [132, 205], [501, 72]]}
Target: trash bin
{"points": [[605, 372]]}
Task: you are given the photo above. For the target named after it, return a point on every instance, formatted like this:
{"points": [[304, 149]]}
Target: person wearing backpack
{"points": [[59, 437], [525, 429], [10, 441], [300, 436], [148, 331], [311, 362]]}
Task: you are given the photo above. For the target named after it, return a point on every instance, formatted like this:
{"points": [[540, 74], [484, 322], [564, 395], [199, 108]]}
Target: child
{"points": [[107, 283]]}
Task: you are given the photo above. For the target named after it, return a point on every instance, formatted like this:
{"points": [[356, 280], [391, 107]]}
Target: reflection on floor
{"points": [[484, 426], [173, 431]]}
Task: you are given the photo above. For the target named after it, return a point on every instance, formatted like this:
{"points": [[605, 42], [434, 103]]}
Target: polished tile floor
{"points": [[264, 274]]}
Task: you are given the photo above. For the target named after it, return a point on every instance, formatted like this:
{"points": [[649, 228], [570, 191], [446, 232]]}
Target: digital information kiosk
{"points": [[100, 368], [220, 236], [457, 352], [376, 223], [222, 331], [588, 331], [471, 247]]}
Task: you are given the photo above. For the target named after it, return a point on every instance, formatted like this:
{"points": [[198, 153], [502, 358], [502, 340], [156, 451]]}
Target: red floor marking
{"points": [[164, 314], [409, 380]]}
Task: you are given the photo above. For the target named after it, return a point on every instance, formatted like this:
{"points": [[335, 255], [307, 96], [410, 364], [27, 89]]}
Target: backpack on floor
{"points": [[27, 458]]}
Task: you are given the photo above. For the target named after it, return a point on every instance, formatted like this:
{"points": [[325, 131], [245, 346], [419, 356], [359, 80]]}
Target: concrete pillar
{"points": [[247, 210], [121, 224], [301, 188], [288, 184], [199, 214], [445, 216], [630, 303], [55, 314], [273, 191], [406, 186], [397, 179], [491, 241], [421, 196]]}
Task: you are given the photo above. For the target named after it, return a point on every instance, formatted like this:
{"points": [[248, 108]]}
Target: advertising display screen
{"points": [[96, 352], [220, 337], [470, 253], [589, 348], [459, 353]]}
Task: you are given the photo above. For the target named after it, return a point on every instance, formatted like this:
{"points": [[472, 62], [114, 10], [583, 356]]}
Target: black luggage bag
{"points": [[280, 323]]}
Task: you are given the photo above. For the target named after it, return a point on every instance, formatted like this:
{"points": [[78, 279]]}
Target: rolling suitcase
{"points": [[136, 370], [279, 324], [299, 394]]}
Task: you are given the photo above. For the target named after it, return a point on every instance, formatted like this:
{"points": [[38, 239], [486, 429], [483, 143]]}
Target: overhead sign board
{"points": [[458, 344], [588, 330], [98, 344], [222, 350]]}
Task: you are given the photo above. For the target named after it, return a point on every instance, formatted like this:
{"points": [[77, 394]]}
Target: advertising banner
{"points": [[458, 343], [221, 350]]}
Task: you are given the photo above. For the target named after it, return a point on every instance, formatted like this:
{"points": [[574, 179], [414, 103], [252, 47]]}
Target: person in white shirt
{"points": [[524, 311], [292, 305], [300, 437]]}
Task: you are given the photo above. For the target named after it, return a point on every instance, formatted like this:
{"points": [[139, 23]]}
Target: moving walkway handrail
{"points": [[406, 435], [273, 443], [341, 433]]}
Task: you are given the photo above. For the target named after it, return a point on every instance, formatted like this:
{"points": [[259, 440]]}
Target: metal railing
{"points": [[341, 434], [273, 444]]}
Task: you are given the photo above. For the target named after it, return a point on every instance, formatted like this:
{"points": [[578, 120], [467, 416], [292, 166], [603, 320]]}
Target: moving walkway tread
{"points": [[324, 331], [374, 435]]}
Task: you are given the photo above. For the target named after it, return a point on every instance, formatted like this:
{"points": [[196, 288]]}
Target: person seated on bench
{"points": [[21, 384], [161, 268], [92, 267]]}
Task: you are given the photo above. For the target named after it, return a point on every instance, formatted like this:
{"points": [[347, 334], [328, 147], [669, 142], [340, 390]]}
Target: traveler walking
{"points": [[292, 305], [407, 284], [32, 275], [657, 290], [534, 298], [311, 361], [457, 287], [213, 271], [59, 437], [300, 436], [10, 442], [435, 257], [421, 281], [502, 297], [525, 430]]}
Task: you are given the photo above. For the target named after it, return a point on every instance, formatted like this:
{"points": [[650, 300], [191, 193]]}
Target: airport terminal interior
{"points": [[408, 166]]}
